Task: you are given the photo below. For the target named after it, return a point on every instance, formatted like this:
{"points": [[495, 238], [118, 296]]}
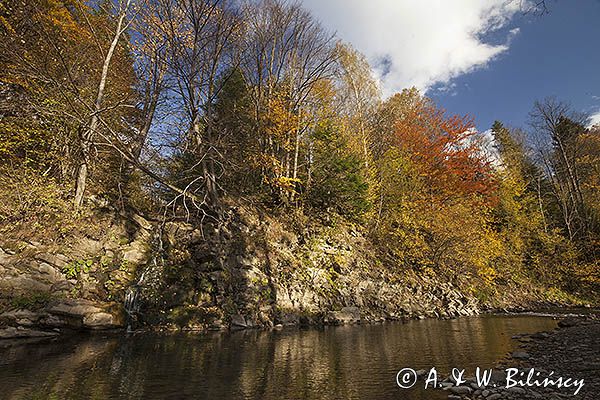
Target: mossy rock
{"points": [[188, 316]]}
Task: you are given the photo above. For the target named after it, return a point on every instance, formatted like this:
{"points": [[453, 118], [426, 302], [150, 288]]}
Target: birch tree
{"points": [[123, 20], [359, 96]]}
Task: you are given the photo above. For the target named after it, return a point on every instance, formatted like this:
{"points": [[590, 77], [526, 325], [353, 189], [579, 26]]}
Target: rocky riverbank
{"points": [[572, 351], [251, 270]]}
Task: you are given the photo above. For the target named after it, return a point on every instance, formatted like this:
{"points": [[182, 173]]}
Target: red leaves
{"points": [[445, 149]]}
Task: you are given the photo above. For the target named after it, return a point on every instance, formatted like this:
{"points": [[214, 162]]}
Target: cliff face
{"points": [[256, 270], [250, 270]]}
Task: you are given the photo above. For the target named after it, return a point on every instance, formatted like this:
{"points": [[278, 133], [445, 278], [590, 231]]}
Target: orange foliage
{"points": [[444, 148]]}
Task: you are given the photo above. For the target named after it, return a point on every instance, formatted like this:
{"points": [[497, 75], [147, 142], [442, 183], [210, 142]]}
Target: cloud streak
{"points": [[420, 43]]}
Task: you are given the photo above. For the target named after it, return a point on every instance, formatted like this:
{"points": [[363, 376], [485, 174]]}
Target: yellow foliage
{"points": [[280, 121], [287, 185]]}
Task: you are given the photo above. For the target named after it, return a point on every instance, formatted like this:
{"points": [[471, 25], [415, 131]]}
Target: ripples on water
{"points": [[351, 362]]}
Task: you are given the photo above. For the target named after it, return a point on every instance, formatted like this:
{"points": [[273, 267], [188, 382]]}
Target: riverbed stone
{"points": [[460, 390], [520, 355], [568, 322], [516, 390]]}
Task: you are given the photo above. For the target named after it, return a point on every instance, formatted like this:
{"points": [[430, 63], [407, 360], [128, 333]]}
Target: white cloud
{"points": [[595, 118], [419, 43]]}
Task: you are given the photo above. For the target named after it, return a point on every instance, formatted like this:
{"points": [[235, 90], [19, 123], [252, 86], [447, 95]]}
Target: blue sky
{"points": [[557, 54], [486, 58]]}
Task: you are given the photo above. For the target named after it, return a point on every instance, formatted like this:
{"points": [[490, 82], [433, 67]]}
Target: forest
{"points": [[183, 109]]}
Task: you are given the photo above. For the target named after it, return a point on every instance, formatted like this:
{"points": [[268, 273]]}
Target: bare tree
{"points": [[557, 130], [101, 120], [200, 37], [151, 61]]}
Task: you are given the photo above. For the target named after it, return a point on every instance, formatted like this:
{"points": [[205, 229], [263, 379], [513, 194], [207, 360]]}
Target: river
{"points": [[346, 362]]}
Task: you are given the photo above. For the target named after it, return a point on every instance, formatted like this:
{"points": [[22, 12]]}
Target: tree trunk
{"points": [[80, 182], [88, 135]]}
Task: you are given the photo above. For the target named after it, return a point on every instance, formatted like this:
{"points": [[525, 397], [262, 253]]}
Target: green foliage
{"points": [[240, 145], [124, 266], [337, 181], [34, 301], [25, 142], [75, 268]]}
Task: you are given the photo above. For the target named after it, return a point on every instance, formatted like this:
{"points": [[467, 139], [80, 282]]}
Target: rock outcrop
{"points": [[250, 270], [256, 271]]}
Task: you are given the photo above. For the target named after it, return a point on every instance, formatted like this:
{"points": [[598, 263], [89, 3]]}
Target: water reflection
{"points": [[354, 362]]}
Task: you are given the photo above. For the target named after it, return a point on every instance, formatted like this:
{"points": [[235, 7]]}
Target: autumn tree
{"points": [[38, 38], [588, 163], [390, 112], [118, 25], [444, 148], [432, 177], [520, 211], [359, 98], [63, 55], [191, 106], [336, 178], [285, 54]]}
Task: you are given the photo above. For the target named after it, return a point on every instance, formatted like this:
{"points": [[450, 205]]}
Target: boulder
{"points": [[20, 317], [135, 253], [20, 333], [23, 285], [238, 321], [50, 273], [84, 314], [75, 308], [87, 246], [142, 222], [347, 315], [100, 320]]}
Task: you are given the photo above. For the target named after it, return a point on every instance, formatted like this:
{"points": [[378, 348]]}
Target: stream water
{"points": [[348, 362]]}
